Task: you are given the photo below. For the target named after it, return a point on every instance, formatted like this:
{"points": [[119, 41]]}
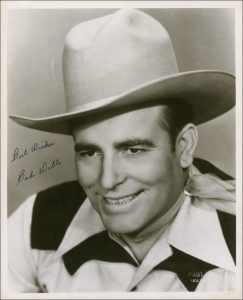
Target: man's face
{"points": [[127, 169]]}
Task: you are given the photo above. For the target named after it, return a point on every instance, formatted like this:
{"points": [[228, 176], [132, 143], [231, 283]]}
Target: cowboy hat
{"points": [[126, 59]]}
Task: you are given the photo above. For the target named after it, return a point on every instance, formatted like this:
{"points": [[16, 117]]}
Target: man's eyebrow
{"points": [[134, 142], [81, 146]]}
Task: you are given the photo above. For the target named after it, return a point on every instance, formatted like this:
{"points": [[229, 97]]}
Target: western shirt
{"points": [[192, 253]]}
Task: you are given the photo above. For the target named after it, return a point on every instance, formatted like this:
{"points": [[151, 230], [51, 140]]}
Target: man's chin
{"points": [[124, 227]]}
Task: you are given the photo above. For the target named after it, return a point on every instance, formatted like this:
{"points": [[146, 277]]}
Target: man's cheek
{"points": [[151, 171], [87, 176]]}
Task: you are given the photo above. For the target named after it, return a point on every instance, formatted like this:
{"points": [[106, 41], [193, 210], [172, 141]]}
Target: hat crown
{"points": [[124, 60], [109, 56]]}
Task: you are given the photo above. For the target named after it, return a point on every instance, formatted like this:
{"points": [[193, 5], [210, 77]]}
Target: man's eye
{"points": [[134, 150], [89, 153]]}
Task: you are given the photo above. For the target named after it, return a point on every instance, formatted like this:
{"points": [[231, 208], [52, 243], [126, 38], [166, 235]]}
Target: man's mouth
{"points": [[120, 200]]}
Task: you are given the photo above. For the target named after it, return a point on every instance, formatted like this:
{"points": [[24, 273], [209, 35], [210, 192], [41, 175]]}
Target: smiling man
{"points": [[131, 175], [144, 214]]}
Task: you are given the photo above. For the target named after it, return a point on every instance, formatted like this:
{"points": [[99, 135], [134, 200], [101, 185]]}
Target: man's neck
{"points": [[141, 247], [140, 243]]}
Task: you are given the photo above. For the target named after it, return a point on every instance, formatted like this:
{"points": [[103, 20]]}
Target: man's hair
{"points": [[174, 116]]}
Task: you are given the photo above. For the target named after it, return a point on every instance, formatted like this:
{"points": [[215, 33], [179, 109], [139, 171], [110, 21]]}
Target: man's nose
{"points": [[112, 174]]}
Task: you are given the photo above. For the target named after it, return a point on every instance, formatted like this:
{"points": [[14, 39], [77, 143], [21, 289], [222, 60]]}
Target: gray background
{"points": [[202, 39]]}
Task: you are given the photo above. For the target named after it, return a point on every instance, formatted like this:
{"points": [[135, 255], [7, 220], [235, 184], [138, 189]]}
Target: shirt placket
{"points": [[158, 253]]}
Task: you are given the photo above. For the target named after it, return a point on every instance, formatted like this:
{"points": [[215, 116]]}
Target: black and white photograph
{"points": [[122, 149]]}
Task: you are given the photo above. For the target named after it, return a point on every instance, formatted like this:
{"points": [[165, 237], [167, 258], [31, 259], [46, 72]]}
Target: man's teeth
{"points": [[119, 201]]}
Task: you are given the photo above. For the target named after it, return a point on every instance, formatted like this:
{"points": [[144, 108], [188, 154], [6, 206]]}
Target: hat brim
{"points": [[210, 94]]}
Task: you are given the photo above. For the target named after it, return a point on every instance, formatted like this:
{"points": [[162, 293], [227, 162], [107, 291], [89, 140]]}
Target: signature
{"points": [[25, 175], [19, 154]]}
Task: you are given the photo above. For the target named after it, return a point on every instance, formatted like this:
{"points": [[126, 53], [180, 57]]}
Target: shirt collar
{"points": [[85, 223], [195, 230]]}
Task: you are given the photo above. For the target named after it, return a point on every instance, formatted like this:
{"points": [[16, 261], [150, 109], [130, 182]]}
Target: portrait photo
{"points": [[122, 155]]}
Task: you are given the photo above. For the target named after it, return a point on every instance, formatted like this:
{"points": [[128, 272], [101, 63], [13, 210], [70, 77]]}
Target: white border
{"points": [[238, 68], [3, 147], [237, 5], [119, 4]]}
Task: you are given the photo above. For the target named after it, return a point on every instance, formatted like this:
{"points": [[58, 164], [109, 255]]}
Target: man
{"points": [[143, 217]]}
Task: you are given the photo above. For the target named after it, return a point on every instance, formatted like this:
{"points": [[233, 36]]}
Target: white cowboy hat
{"points": [[126, 59]]}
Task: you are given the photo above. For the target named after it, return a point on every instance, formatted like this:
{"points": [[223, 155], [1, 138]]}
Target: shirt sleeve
{"points": [[22, 270]]}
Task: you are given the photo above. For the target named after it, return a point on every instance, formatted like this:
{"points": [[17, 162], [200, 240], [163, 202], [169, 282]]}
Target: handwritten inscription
{"points": [[45, 167], [26, 175], [23, 176], [19, 154]]}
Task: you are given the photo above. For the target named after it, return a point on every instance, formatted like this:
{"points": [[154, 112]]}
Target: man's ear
{"points": [[186, 143]]}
